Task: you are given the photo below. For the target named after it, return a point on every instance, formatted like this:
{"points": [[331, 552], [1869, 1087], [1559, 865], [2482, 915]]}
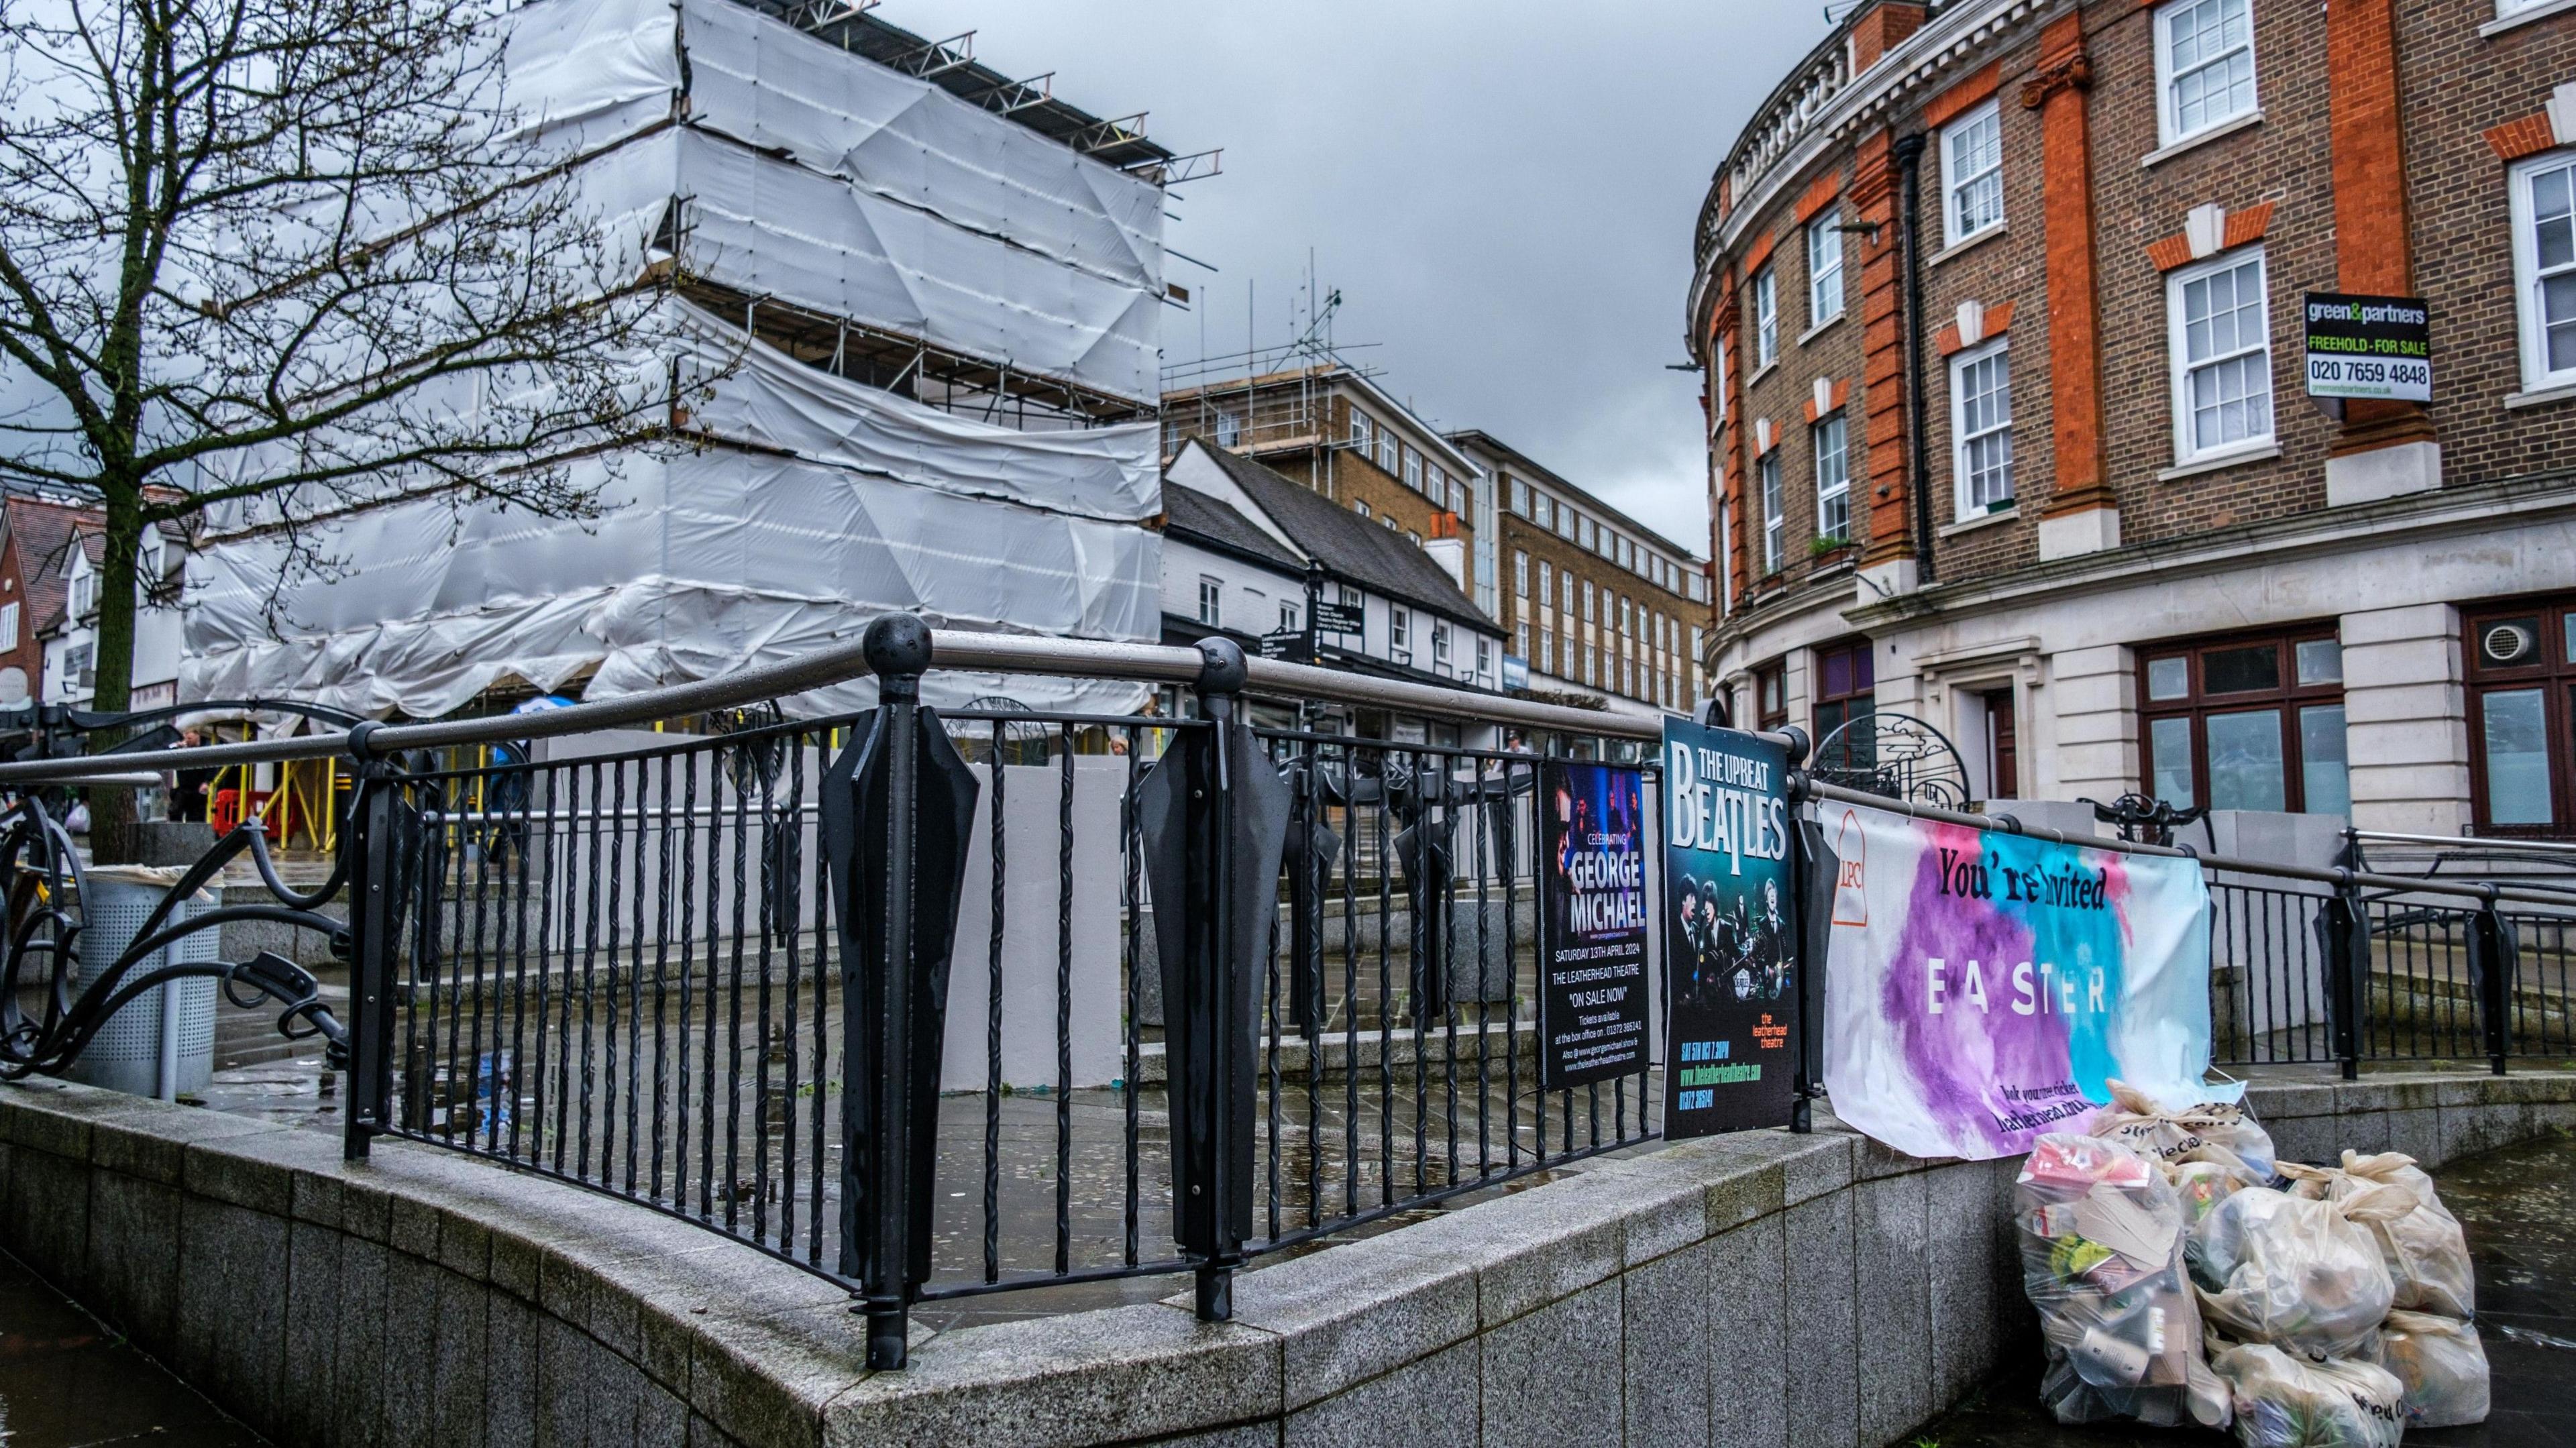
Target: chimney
{"points": [[1880, 27]]}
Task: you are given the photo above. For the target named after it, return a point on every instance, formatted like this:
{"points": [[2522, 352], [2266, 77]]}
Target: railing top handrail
{"points": [[950, 649], [2358, 879], [2467, 842]]}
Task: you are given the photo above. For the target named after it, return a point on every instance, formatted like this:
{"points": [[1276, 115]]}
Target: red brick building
{"points": [[2001, 306]]}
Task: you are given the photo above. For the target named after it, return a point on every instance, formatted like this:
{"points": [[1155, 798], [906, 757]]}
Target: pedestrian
{"points": [[188, 786]]}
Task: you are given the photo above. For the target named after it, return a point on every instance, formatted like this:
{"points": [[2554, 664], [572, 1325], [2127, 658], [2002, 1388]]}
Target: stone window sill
{"points": [[2198, 139], [1982, 520], [1765, 370], [1827, 325], [2542, 396], [1971, 243], [2216, 462], [2522, 18]]}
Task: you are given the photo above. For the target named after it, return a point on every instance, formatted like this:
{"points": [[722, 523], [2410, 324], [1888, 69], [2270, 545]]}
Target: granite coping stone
{"points": [[1116, 1373], [1350, 1313]]}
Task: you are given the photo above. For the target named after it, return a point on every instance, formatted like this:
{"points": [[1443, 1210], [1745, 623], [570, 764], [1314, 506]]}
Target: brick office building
{"points": [[1596, 606], [2000, 306]]}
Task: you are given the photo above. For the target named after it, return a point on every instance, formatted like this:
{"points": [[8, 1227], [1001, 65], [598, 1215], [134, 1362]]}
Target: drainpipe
{"points": [[1909, 189]]}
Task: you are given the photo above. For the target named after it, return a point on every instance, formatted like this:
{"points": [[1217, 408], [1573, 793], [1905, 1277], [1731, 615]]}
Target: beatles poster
{"points": [[1731, 937], [1592, 923]]}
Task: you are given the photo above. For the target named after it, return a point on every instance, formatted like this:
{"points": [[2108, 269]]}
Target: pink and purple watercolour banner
{"points": [[1982, 988]]}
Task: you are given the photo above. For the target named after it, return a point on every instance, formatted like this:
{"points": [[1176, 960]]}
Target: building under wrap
{"points": [[947, 323]]}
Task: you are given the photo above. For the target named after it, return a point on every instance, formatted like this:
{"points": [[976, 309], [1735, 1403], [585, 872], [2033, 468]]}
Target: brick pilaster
{"points": [[1882, 331], [1729, 450], [2373, 254], [2057, 89], [1879, 28]]}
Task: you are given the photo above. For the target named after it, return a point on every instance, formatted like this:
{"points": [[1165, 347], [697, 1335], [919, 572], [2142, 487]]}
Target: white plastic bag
{"points": [[2426, 1253], [2294, 1272], [2211, 1131], [2285, 1401], [2101, 1240], [2442, 1364]]}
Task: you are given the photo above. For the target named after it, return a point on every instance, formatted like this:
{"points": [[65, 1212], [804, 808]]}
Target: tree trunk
{"points": [[113, 838]]}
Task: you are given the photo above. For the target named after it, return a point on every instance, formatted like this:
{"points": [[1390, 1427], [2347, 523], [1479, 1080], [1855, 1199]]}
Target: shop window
{"points": [[1771, 696], [1846, 688], [2246, 723], [2522, 709]]}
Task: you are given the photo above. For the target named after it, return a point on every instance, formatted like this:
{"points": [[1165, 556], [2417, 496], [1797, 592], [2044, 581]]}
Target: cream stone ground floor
{"points": [[2404, 588]]}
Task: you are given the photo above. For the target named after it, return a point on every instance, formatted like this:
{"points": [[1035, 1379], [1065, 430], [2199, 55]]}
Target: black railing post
{"points": [[1214, 815], [1812, 872], [375, 925], [898, 808], [2347, 947], [2494, 964]]}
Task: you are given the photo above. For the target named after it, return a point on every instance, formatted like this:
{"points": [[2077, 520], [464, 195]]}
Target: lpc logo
{"points": [[1851, 872]]}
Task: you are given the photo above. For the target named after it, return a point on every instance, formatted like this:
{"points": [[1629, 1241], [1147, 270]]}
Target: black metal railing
{"points": [[945, 1003]]}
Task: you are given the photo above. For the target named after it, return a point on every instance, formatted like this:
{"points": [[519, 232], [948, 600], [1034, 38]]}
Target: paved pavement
{"points": [[67, 1381]]}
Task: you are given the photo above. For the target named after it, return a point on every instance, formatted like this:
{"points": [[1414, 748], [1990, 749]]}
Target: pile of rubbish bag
{"points": [[2184, 1274]]}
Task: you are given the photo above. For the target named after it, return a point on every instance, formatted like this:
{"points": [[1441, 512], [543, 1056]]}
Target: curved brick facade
{"points": [[2379, 152]]}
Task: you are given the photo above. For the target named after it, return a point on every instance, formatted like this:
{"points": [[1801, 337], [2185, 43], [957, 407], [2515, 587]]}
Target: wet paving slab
{"points": [[69, 1381], [2518, 1206]]}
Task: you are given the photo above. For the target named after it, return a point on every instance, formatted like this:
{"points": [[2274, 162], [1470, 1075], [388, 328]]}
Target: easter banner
{"points": [[1983, 988]]}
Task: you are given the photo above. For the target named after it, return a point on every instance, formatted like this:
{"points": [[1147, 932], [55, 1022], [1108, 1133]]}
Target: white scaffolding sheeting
{"points": [[807, 175]]}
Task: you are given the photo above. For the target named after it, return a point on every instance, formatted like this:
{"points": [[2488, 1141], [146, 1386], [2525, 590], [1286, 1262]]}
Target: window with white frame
{"points": [[8, 626], [1439, 644], [2204, 65], [1359, 429], [1211, 601], [1972, 173], [1833, 478], [1413, 470], [1547, 651], [1521, 497], [1546, 583], [1824, 268], [1399, 634], [2544, 267], [1717, 386], [84, 586], [1287, 617], [1521, 636], [1388, 449], [1981, 453], [1766, 317], [1484, 656], [1520, 573], [2222, 357], [1775, 519], [1361, 507]]}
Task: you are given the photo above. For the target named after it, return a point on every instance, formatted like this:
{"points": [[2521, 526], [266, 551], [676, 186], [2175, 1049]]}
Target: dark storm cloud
{"points": [[1502, 191]]}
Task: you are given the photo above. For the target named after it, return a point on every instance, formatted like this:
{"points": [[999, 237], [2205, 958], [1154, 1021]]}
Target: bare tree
{"points": [[288, 257]]}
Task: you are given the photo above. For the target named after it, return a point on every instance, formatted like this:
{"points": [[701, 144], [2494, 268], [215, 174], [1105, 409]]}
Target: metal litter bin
{"points": [[163, 1042]]}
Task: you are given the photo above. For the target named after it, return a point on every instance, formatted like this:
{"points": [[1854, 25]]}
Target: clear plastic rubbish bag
{"points": [[2442, 1365], [2283, 1400], [2202, 1185], [2101, 1242], [2426, 1253], [2294, 1272], [2212, 1131]]}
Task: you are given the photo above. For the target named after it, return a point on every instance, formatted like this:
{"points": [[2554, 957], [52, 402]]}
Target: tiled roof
{"points": [[1366, 553]]}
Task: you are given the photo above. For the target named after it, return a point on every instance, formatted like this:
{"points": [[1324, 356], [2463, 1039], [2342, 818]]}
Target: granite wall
{"points": [[1762, 1289]]}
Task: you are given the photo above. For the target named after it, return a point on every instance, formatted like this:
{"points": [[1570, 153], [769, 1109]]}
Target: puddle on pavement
{"points": [[2519, 1208], [67, 1381]]}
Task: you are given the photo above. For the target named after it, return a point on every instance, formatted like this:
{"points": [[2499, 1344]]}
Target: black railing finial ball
{"points": [[1221, 668], [897, 644]]}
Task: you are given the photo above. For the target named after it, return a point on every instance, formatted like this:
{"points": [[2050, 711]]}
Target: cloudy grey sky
{"points": [[1503, 191]]}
